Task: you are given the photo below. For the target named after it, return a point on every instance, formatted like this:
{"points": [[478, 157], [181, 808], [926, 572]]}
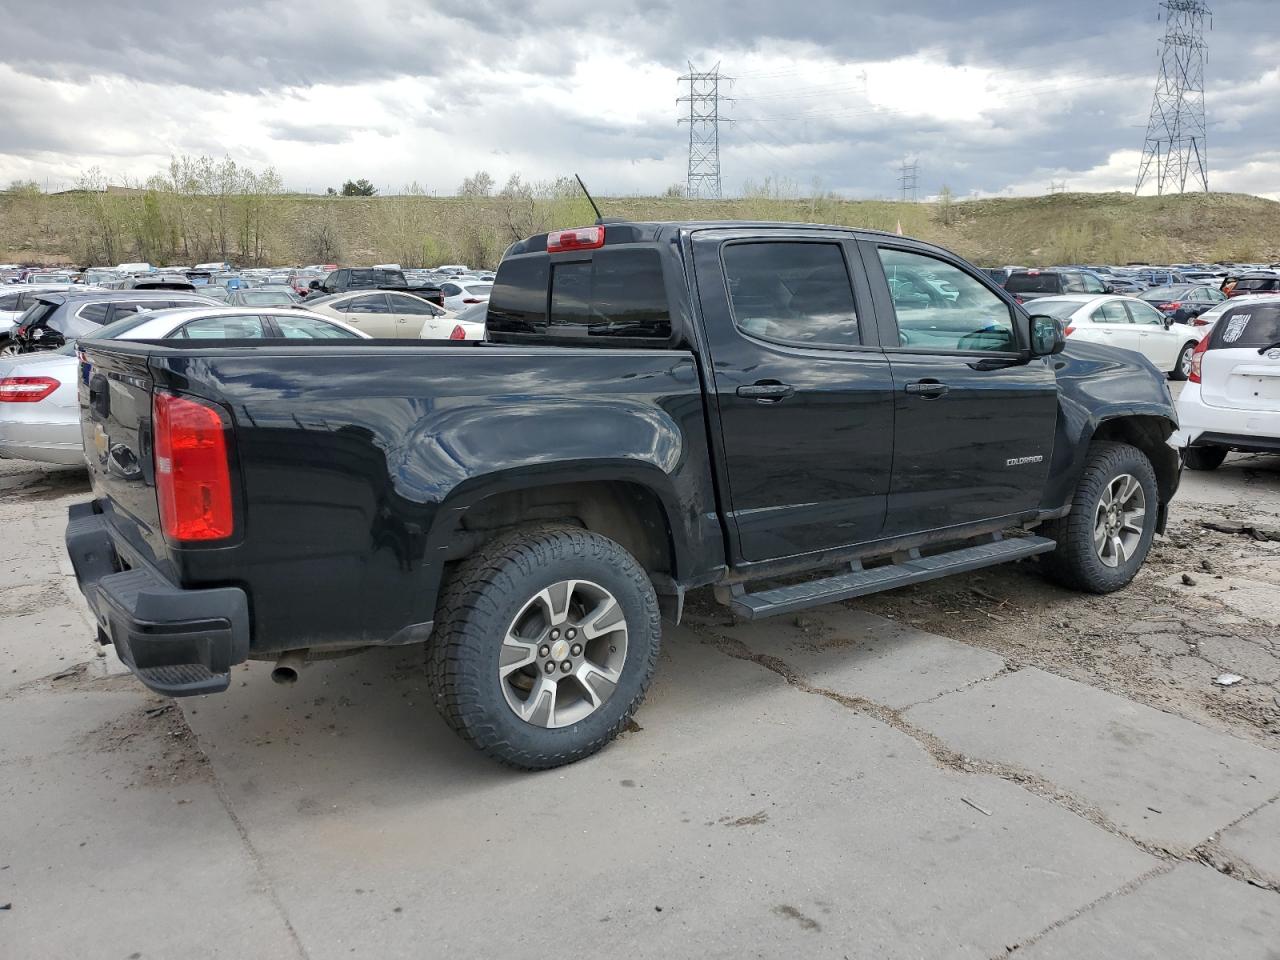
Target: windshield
{"points": [[117, 327], [1258, 283], [1058, 309], [1033, 283], [265, 298]]}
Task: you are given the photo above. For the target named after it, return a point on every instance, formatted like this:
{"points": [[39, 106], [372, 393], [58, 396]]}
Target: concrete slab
{"points": [[861, 655], [745, 818], [114, 842], [1190, 913], [1255, 842], [1158, 777]]}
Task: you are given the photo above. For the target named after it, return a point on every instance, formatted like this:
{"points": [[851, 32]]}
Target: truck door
{"points": [[974, 422], [802, 396]]}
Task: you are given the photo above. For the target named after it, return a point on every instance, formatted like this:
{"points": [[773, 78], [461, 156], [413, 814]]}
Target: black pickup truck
{"points": [[790, 414]]}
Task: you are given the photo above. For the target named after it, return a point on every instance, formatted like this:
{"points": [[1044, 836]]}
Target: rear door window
{"points": [[243, 327], [618, 295], [792, 292], [369, 303], [1033, 283], [1112, 312]]}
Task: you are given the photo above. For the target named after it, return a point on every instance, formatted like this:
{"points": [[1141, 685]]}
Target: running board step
{"points": [[859, 582]]}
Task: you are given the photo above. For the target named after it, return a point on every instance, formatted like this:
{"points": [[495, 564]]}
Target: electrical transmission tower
{"points": [[704, 99], [1057, 186], [909, 179], [1176, 143]]}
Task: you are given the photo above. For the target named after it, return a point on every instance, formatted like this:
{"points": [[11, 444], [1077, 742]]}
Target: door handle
{"points": [[928, 389], [766, 391]]}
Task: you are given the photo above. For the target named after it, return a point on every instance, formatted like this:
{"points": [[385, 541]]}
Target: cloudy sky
{"points": [[992, 96]]}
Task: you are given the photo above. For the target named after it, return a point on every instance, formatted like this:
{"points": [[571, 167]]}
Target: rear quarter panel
{"points": [[355, 463]]}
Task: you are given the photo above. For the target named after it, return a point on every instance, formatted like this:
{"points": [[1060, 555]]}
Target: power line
{"points": [[704, 99], [1176, 142]]}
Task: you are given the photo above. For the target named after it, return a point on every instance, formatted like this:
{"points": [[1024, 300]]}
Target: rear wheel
{"points": [[1105, 538], [545, 645], [1205, 458], [1182, 367], [8, 348]]}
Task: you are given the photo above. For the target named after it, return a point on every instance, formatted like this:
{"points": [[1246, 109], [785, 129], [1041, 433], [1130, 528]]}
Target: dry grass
{"points": [[1064, 228]]}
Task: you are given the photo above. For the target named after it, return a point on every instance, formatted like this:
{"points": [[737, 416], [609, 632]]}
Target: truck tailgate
{"points": [[115, 420]]}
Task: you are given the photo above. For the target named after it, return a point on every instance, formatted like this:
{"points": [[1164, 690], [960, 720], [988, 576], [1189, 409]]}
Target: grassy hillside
{"points": [[288, 229]]}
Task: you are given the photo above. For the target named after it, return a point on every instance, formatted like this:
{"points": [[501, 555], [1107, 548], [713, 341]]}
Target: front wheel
{"points": [[1105, 538], [545, 644], [9, 349], [1182, 366]]}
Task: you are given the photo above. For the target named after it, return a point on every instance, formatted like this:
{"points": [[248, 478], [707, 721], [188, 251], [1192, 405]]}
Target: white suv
{"points": [[1232, 398]]}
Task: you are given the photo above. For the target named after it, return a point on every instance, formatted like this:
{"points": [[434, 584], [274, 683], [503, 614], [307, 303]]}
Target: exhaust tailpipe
{"points": [[289, 666]]}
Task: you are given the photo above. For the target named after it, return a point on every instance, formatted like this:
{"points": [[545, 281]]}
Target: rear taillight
{"points": [[193, 475], [1200, 322], [1069, 331], [26, 389], [1197, 360], [583, 238], [1172, 307], [458, 333], [473, 300], [1018, 299]]}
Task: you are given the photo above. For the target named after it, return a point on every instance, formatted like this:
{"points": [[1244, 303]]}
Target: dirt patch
{"points": [[24, 599], [156, 739], [39, 484], [1161, 641]]}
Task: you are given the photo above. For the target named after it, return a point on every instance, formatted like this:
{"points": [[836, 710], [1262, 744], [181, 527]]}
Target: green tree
{"points": [[358, 188]]}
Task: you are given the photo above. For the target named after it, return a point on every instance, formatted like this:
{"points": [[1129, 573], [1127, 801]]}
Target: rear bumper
{"points": [[46, 442], [177, 642], [1250, 431]]}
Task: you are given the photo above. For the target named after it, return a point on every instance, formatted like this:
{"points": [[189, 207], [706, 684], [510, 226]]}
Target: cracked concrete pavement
{"points": [[831, 785]]}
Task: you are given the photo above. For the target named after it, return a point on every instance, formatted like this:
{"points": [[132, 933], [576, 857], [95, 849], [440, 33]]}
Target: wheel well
{"points": [[629, 514], [1150, 435]]}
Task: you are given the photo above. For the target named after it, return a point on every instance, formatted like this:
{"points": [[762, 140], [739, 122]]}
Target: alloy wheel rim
{"points": [[1186, 360], [1119, 520], [563, 653]]}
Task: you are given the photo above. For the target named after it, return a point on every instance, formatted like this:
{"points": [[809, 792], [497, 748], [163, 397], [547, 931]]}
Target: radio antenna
{"points": [[587, 194]]}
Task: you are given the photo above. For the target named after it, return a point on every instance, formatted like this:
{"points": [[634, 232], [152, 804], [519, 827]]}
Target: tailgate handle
{"points": [[99, 396]]}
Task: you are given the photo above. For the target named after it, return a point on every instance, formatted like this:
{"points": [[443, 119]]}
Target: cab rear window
{"points": [[617, 297], [1034, 283]]}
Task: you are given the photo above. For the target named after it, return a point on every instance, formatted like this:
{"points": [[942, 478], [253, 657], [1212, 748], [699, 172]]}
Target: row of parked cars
{"points": [[43, 314]]}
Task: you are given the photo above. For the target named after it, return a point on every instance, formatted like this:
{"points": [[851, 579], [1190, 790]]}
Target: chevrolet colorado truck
{"points": [[790, 414]]}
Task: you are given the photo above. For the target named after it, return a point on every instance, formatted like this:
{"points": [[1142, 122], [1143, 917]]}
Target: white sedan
{"points": [[1125, 322], [386, 314], [39, 406], [466, 325]]}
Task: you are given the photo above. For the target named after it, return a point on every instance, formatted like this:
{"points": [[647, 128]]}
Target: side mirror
{"points": [[1047, 336], [314, 285]]}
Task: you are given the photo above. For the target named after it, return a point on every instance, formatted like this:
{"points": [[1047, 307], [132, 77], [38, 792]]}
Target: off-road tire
{"points": [[1205, 458], [1075, 563], [477, 605], [1180, 366]]}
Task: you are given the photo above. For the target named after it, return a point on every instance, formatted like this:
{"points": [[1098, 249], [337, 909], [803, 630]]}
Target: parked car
{"points": [[352, 278], [1183, 302], [464, 293], [15, 302], [1252, 284], [467, 324], [1202, 324], [1029, 285], [156, 281], [1232, 401], [261, 297], [1126, 323], [1159, 277], [39, 412], [1124, 286], [385, 314], [529, 509], [56, 318]]}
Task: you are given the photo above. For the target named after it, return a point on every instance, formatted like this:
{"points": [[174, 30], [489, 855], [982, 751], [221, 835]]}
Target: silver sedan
{"points": [[39, 405]]}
